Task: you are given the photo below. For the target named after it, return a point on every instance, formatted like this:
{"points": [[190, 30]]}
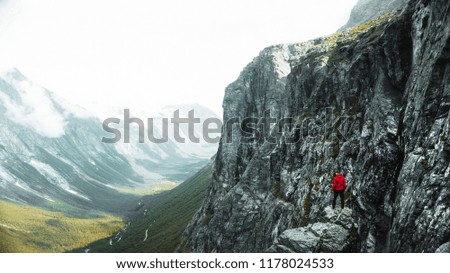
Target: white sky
{"points": [[143, 54]]}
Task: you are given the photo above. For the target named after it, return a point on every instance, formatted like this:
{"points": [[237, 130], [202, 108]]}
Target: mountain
{"points": [[51, 151], [156, 225], [203, 149], [171, 160], [373, 103], [57, 180], [25, 228], [62, 187], [366, 10], [51, 154]]}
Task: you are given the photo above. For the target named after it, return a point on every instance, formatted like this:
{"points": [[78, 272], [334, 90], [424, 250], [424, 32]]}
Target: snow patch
{"points": [[38, 109], [4, 177], [54, 177], [71, 109], [26, 188], [282, 65], [5, 70], [35, 110]]}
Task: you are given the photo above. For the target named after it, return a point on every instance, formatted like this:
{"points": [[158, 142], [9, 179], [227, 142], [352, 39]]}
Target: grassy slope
{"points": [[149, 190], [167, 217], [29, 229]]}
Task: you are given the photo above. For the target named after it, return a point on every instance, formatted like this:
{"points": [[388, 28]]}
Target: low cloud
{"points": [[35, 109]]}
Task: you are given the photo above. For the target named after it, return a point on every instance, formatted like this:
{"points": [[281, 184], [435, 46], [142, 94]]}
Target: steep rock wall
{"points": [[374, 104]]}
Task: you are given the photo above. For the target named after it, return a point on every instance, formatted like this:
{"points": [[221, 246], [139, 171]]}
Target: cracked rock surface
{"points": [[374, 104]]}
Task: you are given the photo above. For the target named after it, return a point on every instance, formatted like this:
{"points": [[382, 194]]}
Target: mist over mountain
{"points": [[172, 159], [51, 152], [371, 101], [62, 187]]}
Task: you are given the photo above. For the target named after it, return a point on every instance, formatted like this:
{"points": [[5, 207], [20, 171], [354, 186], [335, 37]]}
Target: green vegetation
{"points": [[307, 203], [424, 163], [347, 196], [206, 218], [260, 225], [304, 115], [68, 210], [353, 33], [28, 229], [294, 219], [167, 216], [336, 150], [309, 183], [355, 107], [317, 186], [151, 189], [277, 190], [322, 159]]}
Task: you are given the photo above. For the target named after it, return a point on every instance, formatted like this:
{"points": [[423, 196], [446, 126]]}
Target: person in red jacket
{"points": [[338, 188]]}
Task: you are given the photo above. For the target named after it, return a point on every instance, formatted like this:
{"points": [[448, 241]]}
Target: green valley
{"points": [[157, 225], [25, 228]]}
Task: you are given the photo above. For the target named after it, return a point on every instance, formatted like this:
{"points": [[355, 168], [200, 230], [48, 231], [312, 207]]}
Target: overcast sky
{"points": [[143, 54]]}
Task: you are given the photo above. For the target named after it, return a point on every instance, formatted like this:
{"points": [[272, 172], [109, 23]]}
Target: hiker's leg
{"points": [[341, 193], [334, 199]]}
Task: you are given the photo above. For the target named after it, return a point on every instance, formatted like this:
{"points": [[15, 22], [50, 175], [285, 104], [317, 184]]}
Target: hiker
{"points": [[338, 188]]}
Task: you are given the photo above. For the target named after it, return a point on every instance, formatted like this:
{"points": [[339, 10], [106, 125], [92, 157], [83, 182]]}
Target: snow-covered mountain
{"points": [[171, 159], [51, 152], [203, 149]]}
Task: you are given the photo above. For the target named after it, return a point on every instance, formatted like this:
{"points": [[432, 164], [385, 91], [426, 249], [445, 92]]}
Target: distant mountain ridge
{"points": [[51, 152]]}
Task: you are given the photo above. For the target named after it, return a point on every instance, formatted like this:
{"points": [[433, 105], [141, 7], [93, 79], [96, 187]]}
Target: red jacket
{"points": [[338, 183]]}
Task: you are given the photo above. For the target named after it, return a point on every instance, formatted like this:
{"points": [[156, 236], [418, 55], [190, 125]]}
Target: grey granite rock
{"points": [[444, 248], [334, 235], [374, 106]]}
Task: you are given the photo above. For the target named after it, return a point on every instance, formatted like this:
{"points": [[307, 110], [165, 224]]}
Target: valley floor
{"points": [[27, 229]]}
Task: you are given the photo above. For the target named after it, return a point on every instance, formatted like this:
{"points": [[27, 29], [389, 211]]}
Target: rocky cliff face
{"points": [[335, 233], [373, 103]]}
